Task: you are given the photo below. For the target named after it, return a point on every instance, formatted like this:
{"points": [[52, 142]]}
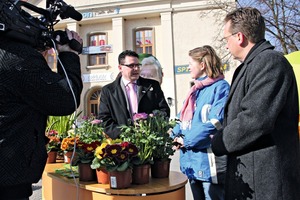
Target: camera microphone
{"points": [[67, 11], [72, 13]]}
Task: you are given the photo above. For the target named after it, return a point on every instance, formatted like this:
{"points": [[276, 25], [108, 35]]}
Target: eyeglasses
{"points": [[226, 38], [131, 66]]}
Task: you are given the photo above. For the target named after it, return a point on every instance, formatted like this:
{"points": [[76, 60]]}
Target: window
{"points": [[97, 39], [144, 40], [93, 102]]}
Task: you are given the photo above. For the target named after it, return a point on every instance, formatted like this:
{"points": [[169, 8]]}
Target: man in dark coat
{"points": [[115, 107], [260, 134], [29, 92]]}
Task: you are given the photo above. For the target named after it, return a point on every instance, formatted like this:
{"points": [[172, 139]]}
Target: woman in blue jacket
{"points": [[200, 118]]}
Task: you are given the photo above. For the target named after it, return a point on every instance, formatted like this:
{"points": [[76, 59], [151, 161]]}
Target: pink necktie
{"points": [[132, 97]]}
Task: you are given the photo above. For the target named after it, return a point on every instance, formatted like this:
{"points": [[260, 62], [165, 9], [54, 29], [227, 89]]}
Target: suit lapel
{"points": [[120, 97], [238, 74], [142, 90]]}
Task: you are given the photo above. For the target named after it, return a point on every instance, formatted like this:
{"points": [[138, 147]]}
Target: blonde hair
{"points": [[209, 56]]}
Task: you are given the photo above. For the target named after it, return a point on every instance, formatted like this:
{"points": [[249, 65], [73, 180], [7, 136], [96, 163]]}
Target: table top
{"points": [[175, 181]]}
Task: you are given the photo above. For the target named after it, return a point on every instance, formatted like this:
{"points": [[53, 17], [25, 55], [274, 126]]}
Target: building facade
{"points": [[167, 29]]}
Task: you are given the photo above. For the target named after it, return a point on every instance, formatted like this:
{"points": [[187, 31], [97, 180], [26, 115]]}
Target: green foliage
{"points": [[68, 171], [90, 130], [90, 134], [54, 141], [61, 124], [150, 134]]}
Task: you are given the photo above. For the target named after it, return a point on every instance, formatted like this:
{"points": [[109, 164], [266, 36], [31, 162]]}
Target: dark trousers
{"points": [[207, 191], [16, 192]]}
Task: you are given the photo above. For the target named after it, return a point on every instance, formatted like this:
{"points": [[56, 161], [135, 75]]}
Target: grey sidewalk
{"points": [[37, 191]]}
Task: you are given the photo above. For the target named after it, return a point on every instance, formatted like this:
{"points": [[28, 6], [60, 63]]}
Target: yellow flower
{"points": [[99, 150]]}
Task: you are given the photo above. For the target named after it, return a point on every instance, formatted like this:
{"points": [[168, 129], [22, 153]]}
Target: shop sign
{"points": [[97, 77], [182, 69], [96, 49]]}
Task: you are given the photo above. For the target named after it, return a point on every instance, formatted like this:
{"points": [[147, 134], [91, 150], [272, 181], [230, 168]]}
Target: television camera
{"points": [[38, 32]]}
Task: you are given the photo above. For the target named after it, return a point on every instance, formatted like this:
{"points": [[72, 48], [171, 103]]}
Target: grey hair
{"points": [[153, 61]]}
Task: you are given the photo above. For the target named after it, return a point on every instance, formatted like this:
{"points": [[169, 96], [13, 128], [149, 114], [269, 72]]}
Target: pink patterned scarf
{"points": [[188, 107]]}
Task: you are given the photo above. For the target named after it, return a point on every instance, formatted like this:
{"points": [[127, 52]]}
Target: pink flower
{"points": [[96, 121], [52, 133], [139, 116]]}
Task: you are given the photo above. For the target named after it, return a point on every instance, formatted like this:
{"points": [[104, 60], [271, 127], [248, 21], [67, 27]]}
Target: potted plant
{"points": [[115, 156], [150, 134], [142, 133], [67, 146], [61, 124], [90, 134], [163, 150], [53, 145]]}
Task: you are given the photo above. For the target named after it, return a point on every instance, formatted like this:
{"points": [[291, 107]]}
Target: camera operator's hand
{"points": [[66, 47]]}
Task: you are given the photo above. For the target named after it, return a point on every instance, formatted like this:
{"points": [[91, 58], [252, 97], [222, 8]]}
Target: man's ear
{"points": [[241, 37]]}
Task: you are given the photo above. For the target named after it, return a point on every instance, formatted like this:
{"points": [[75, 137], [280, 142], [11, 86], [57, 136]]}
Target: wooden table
{"points": [[57, 187]]}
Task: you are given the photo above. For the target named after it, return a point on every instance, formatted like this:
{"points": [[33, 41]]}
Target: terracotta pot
{"points": [[120, 180], [102, 176], [140, 174], [160, 169], [86, 173], [68, 156], [52, 157]]}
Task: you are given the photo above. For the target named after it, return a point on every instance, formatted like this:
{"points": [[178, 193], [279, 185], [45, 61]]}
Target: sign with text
{"points": [[96, 49], [182, 69], [97, 77]]}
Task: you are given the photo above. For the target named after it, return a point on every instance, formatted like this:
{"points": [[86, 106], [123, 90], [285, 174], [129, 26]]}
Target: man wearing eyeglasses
{"points": [[129, 94], [260, 134]]}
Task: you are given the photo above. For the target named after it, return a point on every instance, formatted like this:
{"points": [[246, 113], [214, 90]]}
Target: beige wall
{"points": [[179, 25]]}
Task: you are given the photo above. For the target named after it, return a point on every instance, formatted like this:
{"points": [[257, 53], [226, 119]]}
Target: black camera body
{"points": [[18, 24]]}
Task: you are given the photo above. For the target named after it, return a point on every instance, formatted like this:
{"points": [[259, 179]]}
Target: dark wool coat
{"points": [[261, 129], [29, 92], [114, 109]]}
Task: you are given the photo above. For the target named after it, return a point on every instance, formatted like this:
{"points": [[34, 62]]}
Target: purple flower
{"points": [[85, 117]]}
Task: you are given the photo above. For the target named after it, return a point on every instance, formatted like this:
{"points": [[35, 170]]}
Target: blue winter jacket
{"points": [[196, 158]]}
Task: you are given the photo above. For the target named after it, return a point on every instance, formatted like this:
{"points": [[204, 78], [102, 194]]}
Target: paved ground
{"points": [[37, 188], [37, 191]]}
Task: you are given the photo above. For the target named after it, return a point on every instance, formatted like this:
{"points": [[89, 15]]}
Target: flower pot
{"points": [[86, 173], [52, 157], [102, 176], [160, 168], [140, 174], [120, 180], [68, 156]]}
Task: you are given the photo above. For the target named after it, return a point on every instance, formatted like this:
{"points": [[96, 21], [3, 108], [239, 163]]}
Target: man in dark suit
{"points": [[115, 108]]}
